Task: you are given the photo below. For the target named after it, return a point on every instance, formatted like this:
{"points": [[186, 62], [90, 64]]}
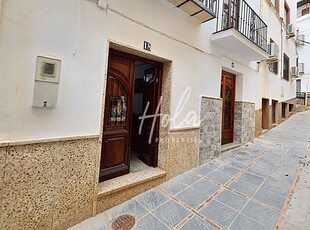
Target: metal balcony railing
{"points": [[239, 15], [210, 5]]}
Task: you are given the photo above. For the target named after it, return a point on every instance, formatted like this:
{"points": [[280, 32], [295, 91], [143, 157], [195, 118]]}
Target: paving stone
{"points": [[101, 221], [171, 213], [244, 223], [219, 213], [212, 165], [218, 177], [297, 152], [203, 170], [291, 164], [229, 171], [270, 198], [238, 163], [179, 183], [290, 226], [270, 163], [243, 187], [261, 168], [231, 199], [197, 223], [283, 178], [274, 154], [197, 193], [262, 214], [150, 222], [256, 150], [276, 188], [252, 179], [152, 199], [131, 207], [283, 169]]}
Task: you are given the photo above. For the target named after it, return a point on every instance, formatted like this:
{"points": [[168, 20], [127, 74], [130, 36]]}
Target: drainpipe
{"points": [[281, 66]]}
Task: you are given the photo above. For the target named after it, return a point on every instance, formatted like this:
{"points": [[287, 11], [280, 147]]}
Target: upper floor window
{"points": [[273, 67], [303, 8], [305, 11], [287, 18], [286, 67], [275, 3], [298, 85]]}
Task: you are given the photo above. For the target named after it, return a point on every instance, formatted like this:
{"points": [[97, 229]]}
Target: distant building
{"points": [[303, 42], [78, 76]]}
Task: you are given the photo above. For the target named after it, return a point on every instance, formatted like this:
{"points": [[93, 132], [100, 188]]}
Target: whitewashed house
{"points": [[77, 77], [303, 43]]}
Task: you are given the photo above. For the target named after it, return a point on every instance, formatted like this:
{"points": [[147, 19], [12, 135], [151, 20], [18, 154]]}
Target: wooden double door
{"points": [[118, 115], [228, 106]]}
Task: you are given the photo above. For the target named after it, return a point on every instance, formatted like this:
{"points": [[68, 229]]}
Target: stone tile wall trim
{"points": [[184, 129], [211, 129], [213, 98], [244, 126], [38, 141]]}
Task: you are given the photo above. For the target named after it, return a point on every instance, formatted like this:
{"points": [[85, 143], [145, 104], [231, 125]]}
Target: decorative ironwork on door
{"points": [[118, 102]]}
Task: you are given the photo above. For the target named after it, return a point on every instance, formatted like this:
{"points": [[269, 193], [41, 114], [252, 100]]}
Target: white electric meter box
{"points": [[46, 84]]}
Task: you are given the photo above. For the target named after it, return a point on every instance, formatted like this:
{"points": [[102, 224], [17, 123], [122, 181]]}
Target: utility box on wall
{"points": [[46, 82]]}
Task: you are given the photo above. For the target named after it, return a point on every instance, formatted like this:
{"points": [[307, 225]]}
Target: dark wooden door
{"points": [[228, 96], [149, 131], [117, 117], [274, 104]]}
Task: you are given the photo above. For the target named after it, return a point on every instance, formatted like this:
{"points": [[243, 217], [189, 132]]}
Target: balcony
{"points": [[202, 10], [241, 31]]}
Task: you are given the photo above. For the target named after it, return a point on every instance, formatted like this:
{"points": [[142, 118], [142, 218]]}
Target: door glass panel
{"points": [[118, 102], [118, 109], [227, 117]]}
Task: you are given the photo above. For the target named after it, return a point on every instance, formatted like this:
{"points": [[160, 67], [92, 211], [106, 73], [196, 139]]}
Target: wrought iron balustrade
{"points": [[239, 15], [210, 5]]}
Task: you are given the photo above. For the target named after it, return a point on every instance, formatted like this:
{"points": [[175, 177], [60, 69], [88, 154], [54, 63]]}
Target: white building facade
{"points": [[78, 76], [303, 23]]}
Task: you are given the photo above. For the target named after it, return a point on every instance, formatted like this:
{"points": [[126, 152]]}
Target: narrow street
{"points": [[263, 185]]}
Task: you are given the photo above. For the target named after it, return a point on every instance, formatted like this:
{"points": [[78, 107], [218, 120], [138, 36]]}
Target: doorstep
{"points": [[265, 131], [229, 146], [129, 180]]}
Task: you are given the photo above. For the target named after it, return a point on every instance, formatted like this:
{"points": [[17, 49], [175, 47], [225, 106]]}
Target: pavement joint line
{"points": [[212, 223], [192, 210], [252, 198], [212, 197], [291, 195], [184, 221], [265, 179], [185, 205]]}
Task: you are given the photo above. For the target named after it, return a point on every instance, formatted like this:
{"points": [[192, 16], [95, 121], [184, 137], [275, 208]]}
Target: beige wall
{"points": [[47, 185], [54, 185]]}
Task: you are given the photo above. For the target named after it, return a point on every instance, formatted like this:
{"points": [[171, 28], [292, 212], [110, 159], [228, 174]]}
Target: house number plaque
{"points": [[147, 46]]}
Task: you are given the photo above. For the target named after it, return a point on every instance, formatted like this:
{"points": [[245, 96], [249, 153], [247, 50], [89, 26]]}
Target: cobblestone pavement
{"points": [[251, 187]]}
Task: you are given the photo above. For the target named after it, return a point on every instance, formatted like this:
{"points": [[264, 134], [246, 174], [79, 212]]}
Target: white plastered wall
{"points": [[270, 85], [77, 32], [304, 51]]}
